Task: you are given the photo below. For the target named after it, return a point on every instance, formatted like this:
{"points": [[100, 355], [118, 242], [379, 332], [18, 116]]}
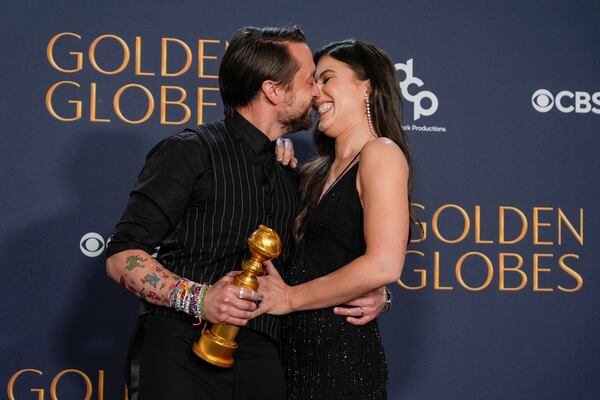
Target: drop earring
{"points": [[368, 103]]}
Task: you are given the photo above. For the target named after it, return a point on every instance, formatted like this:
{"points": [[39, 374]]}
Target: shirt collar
{"points": [[242, 129]]}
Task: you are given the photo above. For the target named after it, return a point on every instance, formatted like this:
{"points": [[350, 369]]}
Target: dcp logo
{"points": [[417, 99], [91, 244], [566, 101]]}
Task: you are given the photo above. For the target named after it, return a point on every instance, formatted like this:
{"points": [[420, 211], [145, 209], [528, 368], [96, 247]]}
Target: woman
{"points": [[352, 230]]}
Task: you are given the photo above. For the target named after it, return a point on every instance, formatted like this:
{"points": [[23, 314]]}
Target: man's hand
{"points": [[230, 304], [363, 309], [284, 152]]}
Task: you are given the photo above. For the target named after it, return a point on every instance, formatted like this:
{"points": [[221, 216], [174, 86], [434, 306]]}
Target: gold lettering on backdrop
{"points": [[536, 272], [101, 385], [202, 103], [512, 269], [422, 272], [179, 64], [138, 58], [490, 271], [501, 212], [10, 389], [117, 104], [180, 103], [50, 54], [502, 268], [126, 54], [478, 227], [202, 57], [435, 226], [571, 272], [164, 57], [50, 107], [54, 385], [88, 383], [436, 273], [537, 224], [562, 219], [93, 117]]}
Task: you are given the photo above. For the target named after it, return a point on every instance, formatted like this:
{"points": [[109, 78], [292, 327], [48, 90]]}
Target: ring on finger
{"points": [[241, 293]]}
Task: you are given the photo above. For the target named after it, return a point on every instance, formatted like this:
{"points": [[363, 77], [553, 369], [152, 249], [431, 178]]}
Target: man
{"points": [[199, 196]]}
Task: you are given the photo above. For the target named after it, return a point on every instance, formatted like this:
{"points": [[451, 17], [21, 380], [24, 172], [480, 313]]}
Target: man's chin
{"points": [[297, 125]]}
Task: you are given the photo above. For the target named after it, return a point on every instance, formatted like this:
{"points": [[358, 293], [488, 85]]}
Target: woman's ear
{"points": [[366, 86]]}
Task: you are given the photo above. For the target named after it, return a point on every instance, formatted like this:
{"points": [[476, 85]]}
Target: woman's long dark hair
{"points": [[367, 62]]}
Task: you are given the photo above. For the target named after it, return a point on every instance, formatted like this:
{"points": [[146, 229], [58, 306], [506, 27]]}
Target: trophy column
{"points": [[217, 344]]}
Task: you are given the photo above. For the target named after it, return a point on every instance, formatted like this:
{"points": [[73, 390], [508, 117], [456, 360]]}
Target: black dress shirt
{"points": [[200, 194]]}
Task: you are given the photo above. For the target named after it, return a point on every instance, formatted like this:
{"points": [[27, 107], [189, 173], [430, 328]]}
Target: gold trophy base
{"points": [[214, 348]]}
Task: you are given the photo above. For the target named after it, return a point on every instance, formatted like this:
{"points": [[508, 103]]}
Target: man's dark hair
{"points": [[253, 56]]}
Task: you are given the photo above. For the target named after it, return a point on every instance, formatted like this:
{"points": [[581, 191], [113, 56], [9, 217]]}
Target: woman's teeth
{"points": [[325, 107]]}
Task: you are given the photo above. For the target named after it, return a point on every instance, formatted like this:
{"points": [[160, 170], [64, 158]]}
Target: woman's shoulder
{"points": [[382, 152], [383, 168]]}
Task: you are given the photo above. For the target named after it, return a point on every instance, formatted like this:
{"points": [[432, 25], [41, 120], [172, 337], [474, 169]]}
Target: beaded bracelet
{"points": [[201, 303], [188, 297]]}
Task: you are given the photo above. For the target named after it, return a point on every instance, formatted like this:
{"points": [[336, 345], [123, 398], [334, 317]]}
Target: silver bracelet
{"points": [[388, 300]]}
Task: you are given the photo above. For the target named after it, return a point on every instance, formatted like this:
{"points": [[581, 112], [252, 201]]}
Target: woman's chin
{"points": [[324, 126]]}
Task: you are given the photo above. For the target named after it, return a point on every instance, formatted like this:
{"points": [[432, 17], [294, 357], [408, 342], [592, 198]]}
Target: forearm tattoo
{"points": [[148, 279]]}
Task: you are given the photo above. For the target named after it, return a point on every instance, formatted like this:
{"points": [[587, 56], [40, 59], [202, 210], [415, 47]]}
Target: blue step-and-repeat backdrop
{"points": [[499, 296]]}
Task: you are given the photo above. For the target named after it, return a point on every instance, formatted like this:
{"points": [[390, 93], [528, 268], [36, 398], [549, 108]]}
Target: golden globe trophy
{"points": [[217, 344]]}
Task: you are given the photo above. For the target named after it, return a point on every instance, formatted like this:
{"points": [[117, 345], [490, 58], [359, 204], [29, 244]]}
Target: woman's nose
{"points": [[316, 90]]}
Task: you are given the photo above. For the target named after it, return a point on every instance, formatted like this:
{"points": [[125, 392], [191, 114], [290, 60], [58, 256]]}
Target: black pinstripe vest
{"points": [[210, 240]]}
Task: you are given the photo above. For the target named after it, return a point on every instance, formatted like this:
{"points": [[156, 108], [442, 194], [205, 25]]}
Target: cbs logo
{"points": [[565, 101], [92, 244]]}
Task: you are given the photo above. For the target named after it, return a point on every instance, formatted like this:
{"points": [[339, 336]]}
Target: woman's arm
{"points": [[383, 187]]}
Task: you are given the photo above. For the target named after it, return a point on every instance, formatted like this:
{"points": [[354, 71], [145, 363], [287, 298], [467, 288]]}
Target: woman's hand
{"points": [[277, 296], [363, 309], [284, 152]]}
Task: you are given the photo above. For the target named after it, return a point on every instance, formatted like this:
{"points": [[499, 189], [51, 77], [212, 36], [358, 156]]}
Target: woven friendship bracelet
{"points": [[188, 297]]}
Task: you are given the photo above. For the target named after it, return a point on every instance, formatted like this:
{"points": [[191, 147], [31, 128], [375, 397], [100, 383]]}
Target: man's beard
{"points": [[296, 120]]}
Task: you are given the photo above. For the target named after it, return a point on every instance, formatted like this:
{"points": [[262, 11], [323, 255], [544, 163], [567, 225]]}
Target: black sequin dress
{"points": [[324, 356]]}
